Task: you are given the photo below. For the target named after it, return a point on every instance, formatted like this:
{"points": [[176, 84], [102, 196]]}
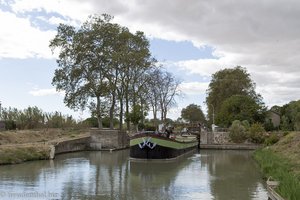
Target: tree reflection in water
{"points": [[106, 175]]}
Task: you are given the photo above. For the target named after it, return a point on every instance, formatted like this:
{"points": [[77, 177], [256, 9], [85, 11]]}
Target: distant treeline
{"points": [[33, 117]]}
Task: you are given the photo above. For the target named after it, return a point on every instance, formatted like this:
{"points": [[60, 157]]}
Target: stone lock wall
{"points": [[204, 138], [98, 140], [80, 144], [214, 137], [220, 137], [108, 139]]}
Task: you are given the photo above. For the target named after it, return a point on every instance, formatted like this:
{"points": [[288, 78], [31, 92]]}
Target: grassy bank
{"points": [[26, 145], [39, 135], [282, 162], [21, 153]]}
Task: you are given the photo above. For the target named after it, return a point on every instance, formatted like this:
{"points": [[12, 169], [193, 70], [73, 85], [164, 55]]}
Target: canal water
{"points": [[210, 174]]}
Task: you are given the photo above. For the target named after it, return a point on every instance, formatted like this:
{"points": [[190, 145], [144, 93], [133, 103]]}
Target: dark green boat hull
{"points": [[147, 146]]}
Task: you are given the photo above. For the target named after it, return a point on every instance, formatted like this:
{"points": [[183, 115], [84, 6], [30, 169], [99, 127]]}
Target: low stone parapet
{"points": [[230, 146]]}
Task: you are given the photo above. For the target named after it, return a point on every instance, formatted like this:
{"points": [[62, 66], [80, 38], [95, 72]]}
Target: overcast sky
{"points": [[193, 38]]}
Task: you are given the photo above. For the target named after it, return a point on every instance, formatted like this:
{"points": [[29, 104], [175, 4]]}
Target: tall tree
{"points": [[193, 113], [168, 90], [226, 83], [136, 64], [240, 107], [153, 89], [84, 60]]}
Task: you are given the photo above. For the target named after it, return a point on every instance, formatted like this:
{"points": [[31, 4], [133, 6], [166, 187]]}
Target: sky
{"points": [[192, 39]]}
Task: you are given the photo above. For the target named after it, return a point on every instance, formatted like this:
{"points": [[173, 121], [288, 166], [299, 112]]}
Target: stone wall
{"points": [[80, 144], [204, 138], [108, 139], [220, 137], [214, 137], [98, 140]]}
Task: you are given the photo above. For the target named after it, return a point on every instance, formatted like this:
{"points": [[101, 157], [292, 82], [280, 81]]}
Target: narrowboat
{"points": [[151, 145]]}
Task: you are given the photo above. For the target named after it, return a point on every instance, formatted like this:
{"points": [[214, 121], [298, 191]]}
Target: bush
{"points": [[10, 125], [141, 126], [149, 127], [246, 124], [237, 132], [285, 133], [272, 139], [268, 125], [91, 122], [256, 133]]}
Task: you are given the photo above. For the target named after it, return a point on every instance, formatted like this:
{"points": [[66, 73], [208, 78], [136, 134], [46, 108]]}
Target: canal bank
{"points": [[91, 140], [94, 140], [230, 146], [281, 161]]}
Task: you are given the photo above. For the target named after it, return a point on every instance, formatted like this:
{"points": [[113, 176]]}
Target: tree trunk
{"points": [[162, 115], [127, 112], [142, 112], [155, 117], [121, 115], [111, 112], [99, 113], [165, 115]]}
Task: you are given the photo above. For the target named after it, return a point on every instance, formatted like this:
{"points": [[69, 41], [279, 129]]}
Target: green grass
{"points": [[13, 155], [281, 169]]}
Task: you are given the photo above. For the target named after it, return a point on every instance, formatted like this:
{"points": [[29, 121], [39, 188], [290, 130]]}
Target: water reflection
{"points": [[105, 175], [233, 175]]}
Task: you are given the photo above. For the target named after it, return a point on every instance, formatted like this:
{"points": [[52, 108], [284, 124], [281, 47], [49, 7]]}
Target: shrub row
{"points": [[242, 131]]}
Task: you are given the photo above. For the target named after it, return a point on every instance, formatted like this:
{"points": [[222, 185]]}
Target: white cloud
{"points": [[203, 67], [19, 39], [192, 88], [261, 36], [45, 92]]}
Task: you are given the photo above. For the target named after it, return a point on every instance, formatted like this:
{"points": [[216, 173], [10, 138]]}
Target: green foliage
{"points": [[240, 107], [91, 122], [286, 124], [285, 133], [281, 170], [193, 113], [246, 124], [237, 132], [106, 122], [226, 83], [297, 121], [148, 127], [10, 125], [268, 125], [57, 120], [290, 116], [272, 139], [13, 155], [33, 117], [136, 114], [256, 133], [101, 62]]}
